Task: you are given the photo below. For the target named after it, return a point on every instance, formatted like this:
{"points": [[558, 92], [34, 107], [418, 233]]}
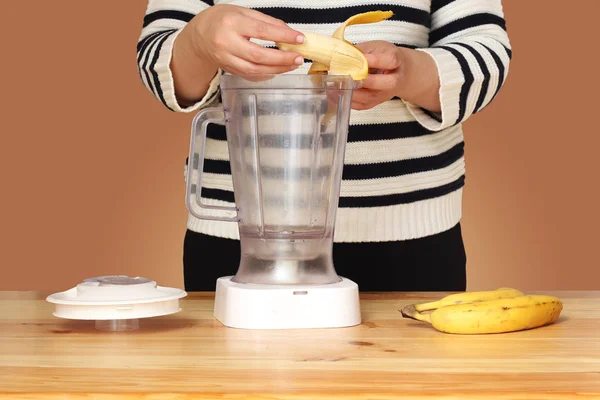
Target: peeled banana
{"points": [[335, 54], [341, 58], [500, 311]]}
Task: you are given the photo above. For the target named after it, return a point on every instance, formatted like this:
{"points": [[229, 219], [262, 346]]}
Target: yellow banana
{"points": [[363, 18], [335, 54], [341, 58], [492, 316], [469, 297]]}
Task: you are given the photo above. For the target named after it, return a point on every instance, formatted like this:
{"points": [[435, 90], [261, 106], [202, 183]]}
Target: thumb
{"points": [[386, 60], [381, 82]]}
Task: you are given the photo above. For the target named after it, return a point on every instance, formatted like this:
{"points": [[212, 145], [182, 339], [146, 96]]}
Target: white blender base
{"points": [[252, 306]]}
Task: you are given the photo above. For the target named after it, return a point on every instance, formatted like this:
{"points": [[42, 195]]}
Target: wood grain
{"points": [[191, 356], [354, 396]]}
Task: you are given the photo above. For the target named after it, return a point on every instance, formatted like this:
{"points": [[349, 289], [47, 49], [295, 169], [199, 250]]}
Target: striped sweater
{"points": [[404, 168]]}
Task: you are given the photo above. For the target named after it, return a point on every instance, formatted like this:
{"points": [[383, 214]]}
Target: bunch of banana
{"points": [[335, 54], [495, 311]]}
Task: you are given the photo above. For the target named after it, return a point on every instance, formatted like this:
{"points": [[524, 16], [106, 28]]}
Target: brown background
{"points": [[92, 165]]}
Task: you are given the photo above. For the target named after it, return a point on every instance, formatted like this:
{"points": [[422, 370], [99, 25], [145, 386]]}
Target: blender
{"points": [[286, 137]]}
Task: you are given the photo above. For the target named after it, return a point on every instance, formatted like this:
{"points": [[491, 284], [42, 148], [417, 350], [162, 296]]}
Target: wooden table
{"points": [[190, 355]]}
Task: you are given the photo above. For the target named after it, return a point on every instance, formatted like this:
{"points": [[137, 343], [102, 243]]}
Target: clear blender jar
{"points": [[286, 136]]}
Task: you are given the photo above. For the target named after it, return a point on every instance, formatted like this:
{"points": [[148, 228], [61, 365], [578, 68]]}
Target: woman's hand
{"points": [[397, 72], [218, 37]]}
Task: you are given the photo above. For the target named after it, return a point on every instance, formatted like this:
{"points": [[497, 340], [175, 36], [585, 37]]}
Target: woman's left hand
{"points": [[385, 74], [397, 72]]}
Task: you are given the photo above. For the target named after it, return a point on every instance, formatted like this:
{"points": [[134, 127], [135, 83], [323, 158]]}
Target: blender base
{"points": [[252, 306]]}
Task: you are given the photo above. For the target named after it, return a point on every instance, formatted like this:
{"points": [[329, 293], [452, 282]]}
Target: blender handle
{"points": [[214, 115]]}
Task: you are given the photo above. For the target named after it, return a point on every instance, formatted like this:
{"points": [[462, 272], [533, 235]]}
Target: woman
{"points": [[433, 65]]}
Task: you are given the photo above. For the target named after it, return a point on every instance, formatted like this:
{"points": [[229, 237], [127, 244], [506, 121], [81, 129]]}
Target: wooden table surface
{"points": [[190, 355]]}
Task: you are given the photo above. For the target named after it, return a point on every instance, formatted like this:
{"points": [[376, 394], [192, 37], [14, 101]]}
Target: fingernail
{"points": [[300, 39], [299, 60]]}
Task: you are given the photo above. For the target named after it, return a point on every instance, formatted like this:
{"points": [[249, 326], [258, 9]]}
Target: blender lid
{"points": [[116, 297]]}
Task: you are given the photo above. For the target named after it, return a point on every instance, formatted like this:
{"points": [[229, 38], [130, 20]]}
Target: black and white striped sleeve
{"points": [[163, 21], [471, 48]]}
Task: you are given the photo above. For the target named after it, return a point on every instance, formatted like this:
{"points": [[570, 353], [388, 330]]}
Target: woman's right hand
{"points": [[220, 37]]}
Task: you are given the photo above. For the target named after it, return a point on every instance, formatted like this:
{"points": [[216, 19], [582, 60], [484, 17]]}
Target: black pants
{"points": [[433, 263]]}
